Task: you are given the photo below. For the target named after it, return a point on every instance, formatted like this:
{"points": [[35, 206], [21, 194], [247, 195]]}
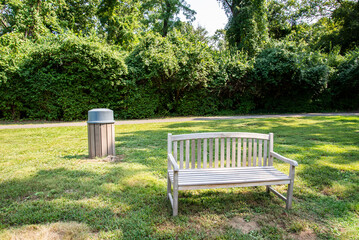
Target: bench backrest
{"points": [[221, 149]]}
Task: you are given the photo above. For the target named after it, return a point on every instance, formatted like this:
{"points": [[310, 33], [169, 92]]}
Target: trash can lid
{"points": [[100, 115]]}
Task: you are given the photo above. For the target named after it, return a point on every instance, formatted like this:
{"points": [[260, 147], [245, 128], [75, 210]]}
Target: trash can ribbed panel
{"points": [[101, 132]]}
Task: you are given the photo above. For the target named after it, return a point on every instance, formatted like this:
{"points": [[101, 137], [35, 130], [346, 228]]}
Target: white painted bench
{"points": [[224, 160]]}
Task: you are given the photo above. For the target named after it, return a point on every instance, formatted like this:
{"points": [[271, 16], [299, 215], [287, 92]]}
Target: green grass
{"points": [[46, 178]]}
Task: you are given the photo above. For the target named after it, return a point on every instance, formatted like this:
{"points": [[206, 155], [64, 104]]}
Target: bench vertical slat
{"points": [[270, 160], [199, 152], [239, 164], [187, 154], [211, 153], [255, 152], [175, 150], [265, 153], [260, 150], [204, 153], [228, 157], [222, 152], [193, 154], [181, 154], [216, 152], [233, 152], [169, 150], [250, 143], [244, 152]]}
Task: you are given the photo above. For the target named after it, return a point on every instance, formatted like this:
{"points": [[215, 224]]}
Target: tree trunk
{"points": [[166, 19]]}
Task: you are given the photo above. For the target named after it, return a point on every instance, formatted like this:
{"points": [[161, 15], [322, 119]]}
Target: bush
{"points": [[344, 83], [200, 102], [172, 66], [13, 51], [288, 81], [140, 103], [66, 76], [232, 82], [62, 77]]}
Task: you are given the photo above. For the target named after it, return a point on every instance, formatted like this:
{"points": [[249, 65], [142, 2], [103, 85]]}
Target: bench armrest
{"points": [[173, 162], [284, 159]]}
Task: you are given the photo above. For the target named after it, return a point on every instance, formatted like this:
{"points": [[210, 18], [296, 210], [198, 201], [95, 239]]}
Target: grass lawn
{"points": [[47, 181]]}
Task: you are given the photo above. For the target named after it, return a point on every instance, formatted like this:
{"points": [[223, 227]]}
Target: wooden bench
{"points": [[224, 160]]}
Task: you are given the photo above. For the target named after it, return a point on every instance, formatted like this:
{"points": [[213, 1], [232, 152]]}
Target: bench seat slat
{"points": [[229, 185], [184, 175], [241, 177], [232, 182], [221, 179], [228, 176]]}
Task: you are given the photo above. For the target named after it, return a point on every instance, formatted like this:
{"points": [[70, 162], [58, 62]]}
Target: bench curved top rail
{"points": [[220, 135]]}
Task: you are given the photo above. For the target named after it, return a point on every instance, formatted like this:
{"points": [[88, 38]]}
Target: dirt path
{"points": [[164, 120]]}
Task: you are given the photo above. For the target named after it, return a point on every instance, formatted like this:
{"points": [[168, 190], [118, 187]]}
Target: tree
{"points": [[281, 18], [339, 30], [347, 15], [30, 17], [78, 15], [217, 41], [162, 15], [309, 10], [247, 26], [120, 21], [4, 18]]}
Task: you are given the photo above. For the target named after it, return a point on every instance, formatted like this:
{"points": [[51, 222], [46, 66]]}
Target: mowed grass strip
{"points": [[46, 178]]}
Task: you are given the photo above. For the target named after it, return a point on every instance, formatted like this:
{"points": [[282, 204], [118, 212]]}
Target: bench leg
{"points": [[168, 185], [289, 196], [290, 187], [175, 203], [267, 189], [175, 194]]}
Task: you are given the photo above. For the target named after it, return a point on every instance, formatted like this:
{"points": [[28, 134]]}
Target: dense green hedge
{"points": [[344, 83], [62, 77]]}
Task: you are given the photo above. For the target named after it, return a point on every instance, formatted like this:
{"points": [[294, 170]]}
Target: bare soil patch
{"points": [[307, 234], [243, 225], [110, 158], [53, 231]]}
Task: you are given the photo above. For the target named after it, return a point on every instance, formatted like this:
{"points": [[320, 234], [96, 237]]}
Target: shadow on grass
{"points": [[307, 139], [130, 196], [83, 196], [79, 156], [131, 201]]}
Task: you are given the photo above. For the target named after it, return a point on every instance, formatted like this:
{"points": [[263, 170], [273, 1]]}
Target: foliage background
{"points": [[58, 59]]}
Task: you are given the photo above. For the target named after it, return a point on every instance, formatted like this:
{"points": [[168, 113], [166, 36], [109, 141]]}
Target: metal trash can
{"points": [[101, 132]]}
